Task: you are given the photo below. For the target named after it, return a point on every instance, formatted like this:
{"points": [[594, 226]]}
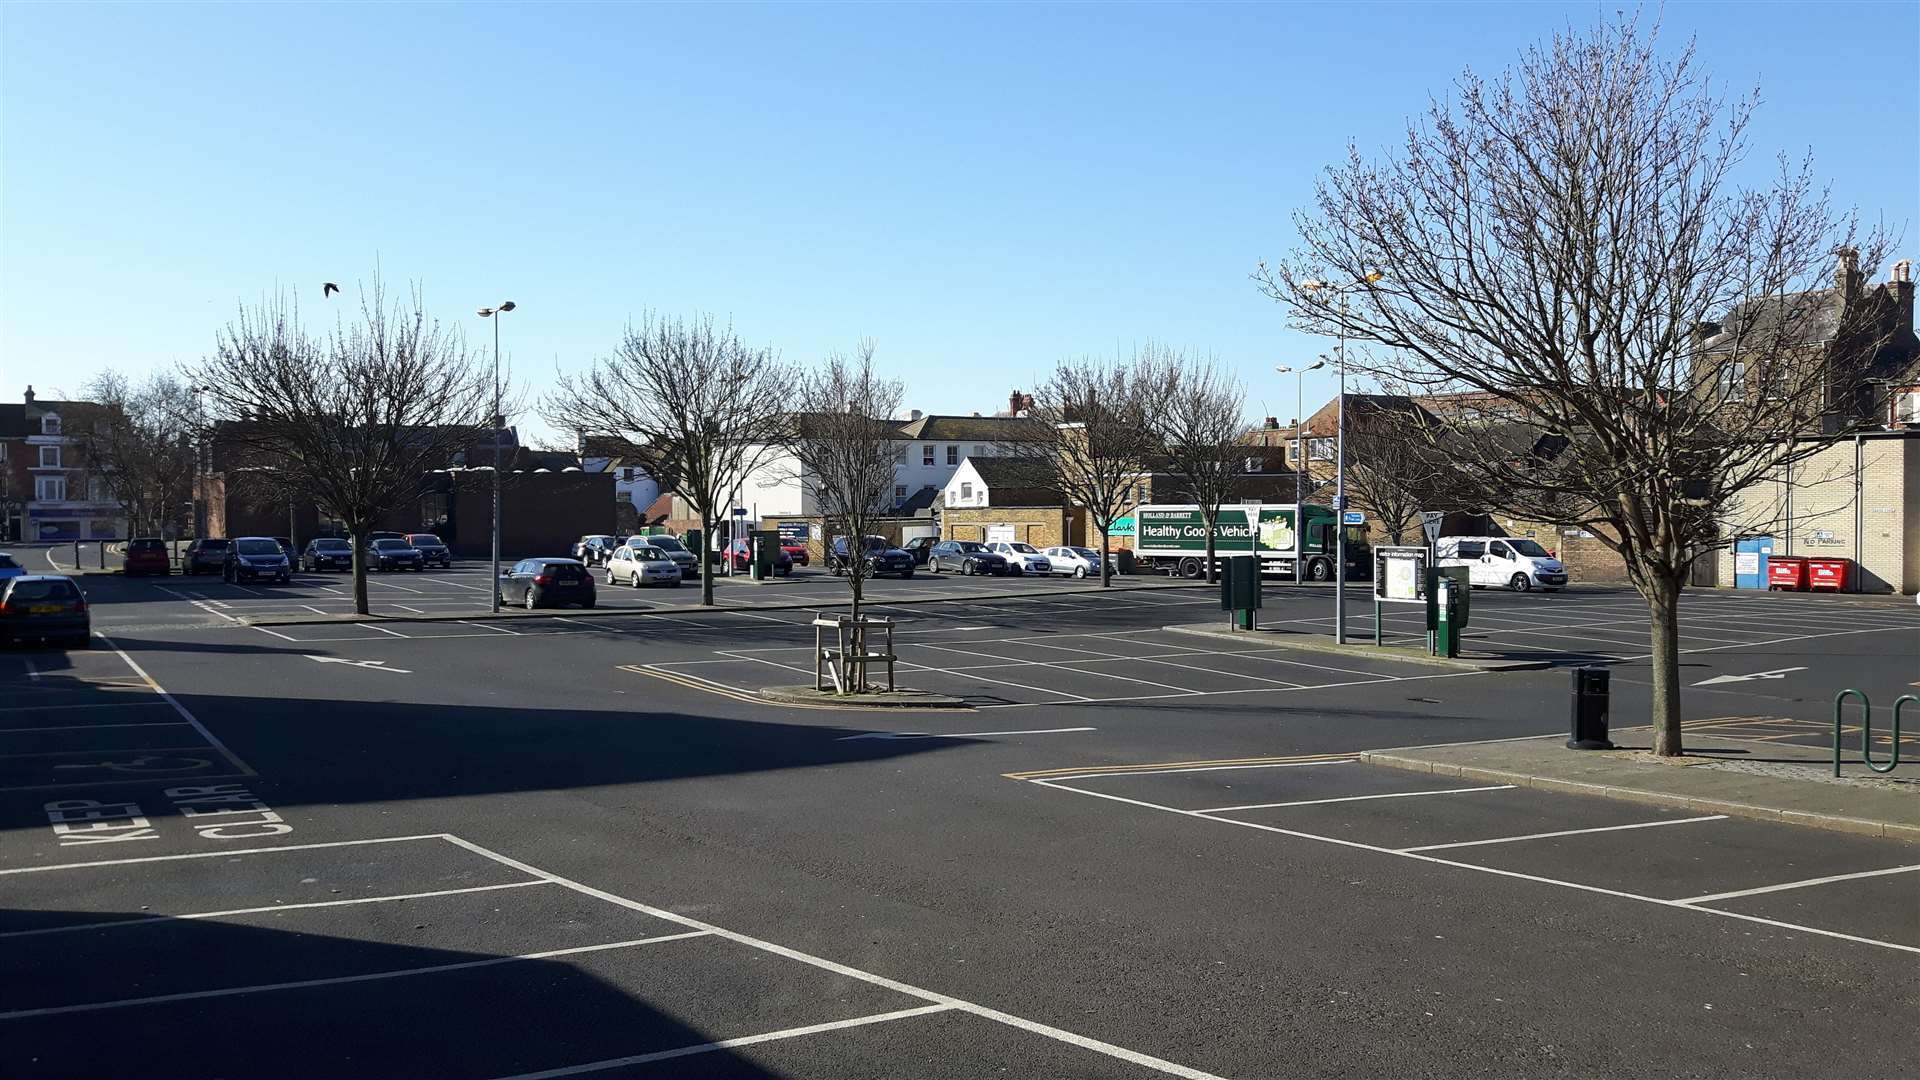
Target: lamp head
{"points": [[485, 311], [508, 305]]}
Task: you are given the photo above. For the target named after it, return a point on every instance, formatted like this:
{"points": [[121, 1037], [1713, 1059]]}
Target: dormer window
{"points": [[50, 424]]}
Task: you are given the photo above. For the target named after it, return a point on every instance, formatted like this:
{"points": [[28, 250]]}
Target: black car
{"points": [[921, 548], [966, 557], [880, 557], [327, 553], [547, 583], [286, 547], [393, 553], [433, 551], [205, 556], [44, 607], [595, 549], [251, 558]]}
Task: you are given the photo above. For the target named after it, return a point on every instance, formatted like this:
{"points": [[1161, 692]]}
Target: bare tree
{"points": [[1203, 432], [844, 447], [709, 407], [1563, 240], [139, 440], [1096, 428], [1393, 473], [356, 420]]}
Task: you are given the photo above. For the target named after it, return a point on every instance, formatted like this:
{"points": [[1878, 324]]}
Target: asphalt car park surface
{"points": [[558, 845]]}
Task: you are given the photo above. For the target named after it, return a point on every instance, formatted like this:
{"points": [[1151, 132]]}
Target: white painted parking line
{"points": [[382, 629], [276, 633], [211, 739], [884, 735], [730, 1044], [92, 727], [98, 705], [1061, 667], [117, 924], [490, 626], [1477, 868], [1355, 798], [341, 980], [1058, 1034], [1808, 883], [226, 854], [1207, 768], [1565, 832]]}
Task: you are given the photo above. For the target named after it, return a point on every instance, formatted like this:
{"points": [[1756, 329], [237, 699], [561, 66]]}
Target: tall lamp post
{"points": [[1320, 289], [1299, 441], [201, 511], [493, 601]]}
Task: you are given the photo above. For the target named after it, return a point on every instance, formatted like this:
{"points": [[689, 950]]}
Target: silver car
{"points": [[644, 564], [1024, 558]]}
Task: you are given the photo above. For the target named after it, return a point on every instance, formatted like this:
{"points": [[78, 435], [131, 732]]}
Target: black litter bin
{"points": [[1590, 704]]}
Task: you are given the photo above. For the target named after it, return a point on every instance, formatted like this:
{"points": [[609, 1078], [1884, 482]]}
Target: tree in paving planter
{"points": [[1644, 337], [844, 448], [708, 409], [356, 421], [1204, 435]]}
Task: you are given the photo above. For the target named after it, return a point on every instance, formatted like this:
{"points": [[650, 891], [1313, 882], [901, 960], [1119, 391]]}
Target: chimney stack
{"points": [[28, 396], [1273, 423], [1846, 273], [1900, 286]]}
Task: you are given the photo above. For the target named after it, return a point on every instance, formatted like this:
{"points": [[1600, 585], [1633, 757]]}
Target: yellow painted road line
{"points": [[1158, 766]]}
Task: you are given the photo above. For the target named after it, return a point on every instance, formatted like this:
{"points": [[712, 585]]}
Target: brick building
{"points": [[47, 491]]}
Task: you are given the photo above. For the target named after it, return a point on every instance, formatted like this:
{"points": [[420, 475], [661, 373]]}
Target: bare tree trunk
{"points": [[706, 564], [1663, 602], [356, 534], [858, 581], [1106, 559], [1208, 519]]}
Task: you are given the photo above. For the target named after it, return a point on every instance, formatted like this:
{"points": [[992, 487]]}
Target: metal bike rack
{"points": [[1866, 729]]}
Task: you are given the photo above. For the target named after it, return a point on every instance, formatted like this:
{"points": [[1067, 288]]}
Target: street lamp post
{"points": [[1299, 442], [201, 511], [493, 601], [1340, 452]]}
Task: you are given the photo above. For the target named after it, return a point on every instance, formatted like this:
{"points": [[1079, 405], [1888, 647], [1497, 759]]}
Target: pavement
{"points": [[558, 846], [1769, 781]]}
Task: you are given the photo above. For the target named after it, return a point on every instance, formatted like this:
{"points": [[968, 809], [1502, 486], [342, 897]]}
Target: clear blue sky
{"points": [[984, 189]]}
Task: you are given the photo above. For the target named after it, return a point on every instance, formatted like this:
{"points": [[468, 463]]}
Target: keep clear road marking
{"points": [[375, 665], [1776, 673], [958, 734]]}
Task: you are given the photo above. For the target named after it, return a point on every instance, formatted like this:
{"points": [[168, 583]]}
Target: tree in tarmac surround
{"points": [[844, 449], [709, 409], [1204, 434], [1095, 427], [1562, 242], [138, 438], [355, 421]]}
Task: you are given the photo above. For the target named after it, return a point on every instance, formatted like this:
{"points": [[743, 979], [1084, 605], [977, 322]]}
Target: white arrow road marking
{"points": [[1777, 673], [376, 665], [958, 734]]}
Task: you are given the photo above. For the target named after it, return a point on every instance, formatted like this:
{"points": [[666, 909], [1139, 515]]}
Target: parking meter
{"points": [[1446, 636]]}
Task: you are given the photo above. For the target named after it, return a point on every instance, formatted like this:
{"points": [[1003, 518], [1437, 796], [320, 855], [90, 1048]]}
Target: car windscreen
{"points": [[7, 563], [1085, 553], [53, 589], [332, 545], [146, 545], [389, 545], [650, 554], [257, 547], [564, 571], [666, 543], [969, 545], [1529, 548], [876, 543], [1025, 549], [214, 545], [424, 541]]}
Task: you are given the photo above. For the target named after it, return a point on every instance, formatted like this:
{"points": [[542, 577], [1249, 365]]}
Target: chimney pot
{"points": [[1273, 422], [28, 396]]}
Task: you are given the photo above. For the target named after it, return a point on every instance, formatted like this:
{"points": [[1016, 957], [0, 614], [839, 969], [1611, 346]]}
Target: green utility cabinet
{"points": [[1240, 589]]}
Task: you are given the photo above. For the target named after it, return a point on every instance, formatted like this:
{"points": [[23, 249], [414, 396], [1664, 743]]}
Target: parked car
{"points": [[595, 549], [327, 553], [740, 553], [251, 558], [10, 568], [689, 565], [205, 556], [966, 557], [796, 552], [44, 607], [433, 551], [547, 583], [372, 536], [1024, 558], [921, 548], [147, 555], [880, 556], [1516, 562], [286, 547], [642, 564], [1074, 561], [393, 554]]}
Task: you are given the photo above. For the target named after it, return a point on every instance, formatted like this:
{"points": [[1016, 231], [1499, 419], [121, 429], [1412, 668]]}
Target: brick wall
{"points": [[1041, 526], [1832, 509]]}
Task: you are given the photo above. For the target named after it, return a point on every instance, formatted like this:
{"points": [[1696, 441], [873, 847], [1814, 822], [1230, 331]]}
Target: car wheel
{"points": [[1319, 570], [933, 566], [969, 568], [609, 577], [529, 599], [1189, 568], [1520, 583], [1079, 571]]}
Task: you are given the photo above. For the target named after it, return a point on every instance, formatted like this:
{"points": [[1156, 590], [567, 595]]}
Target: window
{"points": [[50, 425], [899, 494], [926, 454], [966, 489], [1499, 550], [1733, 381], [953, 455], [1320, 449], [979, 451], [903, 453], [50, 488], [1473, 550], [49, 457]]}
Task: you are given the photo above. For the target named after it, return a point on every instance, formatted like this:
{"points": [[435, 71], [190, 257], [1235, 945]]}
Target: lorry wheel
{"points": [[1319, 570], [1190, 568], [1520, 583]]}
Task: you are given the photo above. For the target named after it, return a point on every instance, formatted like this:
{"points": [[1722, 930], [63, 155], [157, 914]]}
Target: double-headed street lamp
{"points": [[1320, 289], [1299, 427], [493, 602]]}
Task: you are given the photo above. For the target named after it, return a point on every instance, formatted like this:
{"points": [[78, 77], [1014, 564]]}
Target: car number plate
{"points": [[44, 609]]}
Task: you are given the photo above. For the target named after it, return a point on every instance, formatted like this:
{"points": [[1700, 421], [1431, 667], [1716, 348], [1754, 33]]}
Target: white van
{"points": [[1493, 561]]}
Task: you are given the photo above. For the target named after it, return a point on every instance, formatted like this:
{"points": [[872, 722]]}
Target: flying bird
{"points": [[327, 289]]}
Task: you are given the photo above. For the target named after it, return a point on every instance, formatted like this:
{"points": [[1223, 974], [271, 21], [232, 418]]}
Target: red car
{"points": [[148, 555], [742, 558], [796, 553]]}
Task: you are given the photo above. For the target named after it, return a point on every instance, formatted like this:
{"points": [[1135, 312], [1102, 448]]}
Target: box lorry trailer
{"points": [[1172, 538]]}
